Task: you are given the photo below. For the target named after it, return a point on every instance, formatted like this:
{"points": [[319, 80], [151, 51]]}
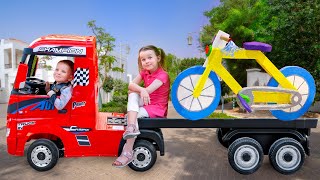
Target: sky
{"points": [[163, 23]]}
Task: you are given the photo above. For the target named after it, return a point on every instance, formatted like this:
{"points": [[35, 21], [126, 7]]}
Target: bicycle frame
{"points": [[215, 64], [196, 91]]}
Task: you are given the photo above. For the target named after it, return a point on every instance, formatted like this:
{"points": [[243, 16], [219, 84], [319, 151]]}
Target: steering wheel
{"points": [[35, 82], [37, 86]]}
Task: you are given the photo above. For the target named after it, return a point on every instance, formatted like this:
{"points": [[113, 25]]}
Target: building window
{"points": [[8, 58], [19, 54]]}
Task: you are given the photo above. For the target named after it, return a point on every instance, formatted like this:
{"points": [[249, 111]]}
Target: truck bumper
{"points": [[11, 145], [13, 148]]}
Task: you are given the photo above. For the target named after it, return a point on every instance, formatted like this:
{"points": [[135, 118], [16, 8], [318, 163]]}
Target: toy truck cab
{"points": [[32, 116], [78, 129]]}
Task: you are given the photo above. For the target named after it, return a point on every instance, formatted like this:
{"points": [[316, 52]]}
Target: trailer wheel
{"points": [[145, 155], [219, 137], [286, 155], [245, 155], [42, 155]]}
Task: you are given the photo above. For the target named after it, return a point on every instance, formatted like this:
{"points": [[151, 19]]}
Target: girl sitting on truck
{"points": [[60, 91], [148, 101]]}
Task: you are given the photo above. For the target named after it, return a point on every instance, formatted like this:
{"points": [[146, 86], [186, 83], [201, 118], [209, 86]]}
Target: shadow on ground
{"points": [[210, 161]]}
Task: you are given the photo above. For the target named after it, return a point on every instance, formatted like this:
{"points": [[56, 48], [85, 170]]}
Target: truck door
{"points": [[39, 109]]}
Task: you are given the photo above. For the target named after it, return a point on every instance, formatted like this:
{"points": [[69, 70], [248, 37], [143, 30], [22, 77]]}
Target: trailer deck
{"points": [[264, 123]]}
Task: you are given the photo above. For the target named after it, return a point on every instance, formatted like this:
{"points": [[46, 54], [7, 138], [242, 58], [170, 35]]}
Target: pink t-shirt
{"points": [[159, 98]]}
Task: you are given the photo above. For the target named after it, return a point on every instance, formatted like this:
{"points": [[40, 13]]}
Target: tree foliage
{"points": [[295, 32], [119, 99], [172, 66], [292, 27], [105, 45], [242, 20], [189, 62]]}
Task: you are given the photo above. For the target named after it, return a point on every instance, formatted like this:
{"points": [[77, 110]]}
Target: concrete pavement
{"points": [[190, 154]]}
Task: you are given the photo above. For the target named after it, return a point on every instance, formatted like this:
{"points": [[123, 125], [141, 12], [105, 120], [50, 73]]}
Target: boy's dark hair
{"points": [[157, 51], [69, 63]]}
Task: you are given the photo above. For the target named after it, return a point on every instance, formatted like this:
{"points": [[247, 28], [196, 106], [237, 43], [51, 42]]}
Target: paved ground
{"points": [[190, 154]]}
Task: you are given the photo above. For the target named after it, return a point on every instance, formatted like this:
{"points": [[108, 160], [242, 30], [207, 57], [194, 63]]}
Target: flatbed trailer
{"points": [[285, 142]]}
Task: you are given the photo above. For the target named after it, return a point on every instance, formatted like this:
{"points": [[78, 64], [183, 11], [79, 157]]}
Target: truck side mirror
{"points": [[21, 76]]}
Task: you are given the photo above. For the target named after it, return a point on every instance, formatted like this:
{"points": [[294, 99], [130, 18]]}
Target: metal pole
{"points": [[120, 60], [222, 103]]}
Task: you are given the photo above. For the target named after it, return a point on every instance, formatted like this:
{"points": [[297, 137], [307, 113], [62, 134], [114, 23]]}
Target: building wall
{"points": [[257, 78], [10, 55], [121, 62]]}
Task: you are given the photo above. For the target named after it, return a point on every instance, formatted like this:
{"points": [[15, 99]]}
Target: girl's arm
{"points": [[154, 86], [144, 92], [64, 98], [134, 85]]}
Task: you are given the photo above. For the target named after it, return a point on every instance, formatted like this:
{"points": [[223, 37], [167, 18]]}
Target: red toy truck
{"points": [[78, 129]]}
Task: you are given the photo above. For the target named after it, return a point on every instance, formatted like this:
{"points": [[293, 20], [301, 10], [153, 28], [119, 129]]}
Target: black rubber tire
{"points": [[251, 154], [286, 155], [219, 137], [145, 156], [48, 150]]}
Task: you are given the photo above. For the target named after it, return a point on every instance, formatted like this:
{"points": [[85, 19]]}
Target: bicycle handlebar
{"points": [[225, 38]]}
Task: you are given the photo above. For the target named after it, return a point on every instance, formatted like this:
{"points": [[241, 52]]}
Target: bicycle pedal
{"points": [[244, 103]]}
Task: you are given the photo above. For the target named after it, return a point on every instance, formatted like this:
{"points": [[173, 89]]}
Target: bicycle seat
{"points": [[264, 47]]}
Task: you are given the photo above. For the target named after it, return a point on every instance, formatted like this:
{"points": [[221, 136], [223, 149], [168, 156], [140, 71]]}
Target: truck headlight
{"points": [[8, 132]]}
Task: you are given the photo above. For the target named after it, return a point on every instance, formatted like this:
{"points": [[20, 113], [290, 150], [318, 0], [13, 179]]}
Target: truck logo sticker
{"points": [[37, 103], [81, 77], [75, 129], [43, 105], [78, 104], [83, 140], [21, 125], [63, 50]]}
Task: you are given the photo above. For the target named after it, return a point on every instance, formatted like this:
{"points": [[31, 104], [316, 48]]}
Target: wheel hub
{"points": [[142, 157], [246, 157], [287, 157], [41, 156]]}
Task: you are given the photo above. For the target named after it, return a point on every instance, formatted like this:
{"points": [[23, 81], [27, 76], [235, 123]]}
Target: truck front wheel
{"points": [[145, 155], [42, 155]]}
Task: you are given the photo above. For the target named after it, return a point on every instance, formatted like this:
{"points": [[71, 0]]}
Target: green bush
{"points": [[220, 116], [119, 98], [118, 109]]}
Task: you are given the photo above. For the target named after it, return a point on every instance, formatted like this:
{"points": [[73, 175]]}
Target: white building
{"points": [[11, 51], [257, 78], [121, 56]]}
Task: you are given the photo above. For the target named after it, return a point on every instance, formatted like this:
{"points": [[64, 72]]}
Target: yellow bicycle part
{"points": [[271, 97], [215, 64]]}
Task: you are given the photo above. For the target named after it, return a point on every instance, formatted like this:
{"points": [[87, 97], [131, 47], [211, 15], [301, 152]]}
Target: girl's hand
{"points": [[145, 96], [47, 88]]}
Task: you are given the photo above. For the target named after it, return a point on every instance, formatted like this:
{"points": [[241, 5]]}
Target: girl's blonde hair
{"points": [[157, 51]]}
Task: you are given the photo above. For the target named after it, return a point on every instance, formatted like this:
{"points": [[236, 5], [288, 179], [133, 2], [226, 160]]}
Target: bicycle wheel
{"points": [[183, 100], [305, 84]]}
